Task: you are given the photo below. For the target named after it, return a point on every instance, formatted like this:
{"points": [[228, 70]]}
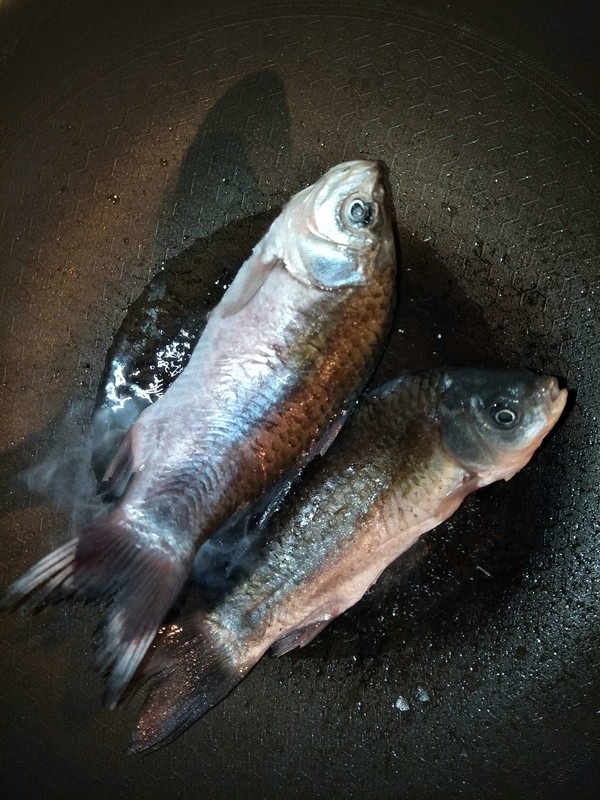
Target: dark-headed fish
{"points": [[282, 359], [414, 449]]}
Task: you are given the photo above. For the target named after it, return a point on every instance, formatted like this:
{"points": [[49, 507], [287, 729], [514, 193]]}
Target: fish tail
{"points": [[106, 562], [194, 666], [48, 581], [142, 584]]}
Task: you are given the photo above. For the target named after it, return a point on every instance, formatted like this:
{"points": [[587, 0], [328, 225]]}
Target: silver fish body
{"points": [[412, 452], [279, 364]]}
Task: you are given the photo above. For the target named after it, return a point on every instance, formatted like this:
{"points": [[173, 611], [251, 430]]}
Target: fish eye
{"points": [[504, 416], [358, 213]]}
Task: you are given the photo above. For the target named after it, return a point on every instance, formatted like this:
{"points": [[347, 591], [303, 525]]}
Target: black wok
{"points": [[154, 139]]}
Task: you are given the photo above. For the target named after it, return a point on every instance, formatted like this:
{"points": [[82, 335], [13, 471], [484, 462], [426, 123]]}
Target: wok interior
{"points": [[163, 161]]}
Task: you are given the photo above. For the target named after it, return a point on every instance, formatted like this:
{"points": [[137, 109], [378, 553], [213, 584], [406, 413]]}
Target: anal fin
{"points": [[120, 470]]}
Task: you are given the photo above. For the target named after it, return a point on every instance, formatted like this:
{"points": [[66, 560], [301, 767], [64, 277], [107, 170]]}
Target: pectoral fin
{"points": [[298, 638], [450, 503], [248, 281], [323, 444]]}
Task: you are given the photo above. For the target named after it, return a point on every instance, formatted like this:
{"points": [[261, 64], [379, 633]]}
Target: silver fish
{"points": [[281, 361], [414, 449]]}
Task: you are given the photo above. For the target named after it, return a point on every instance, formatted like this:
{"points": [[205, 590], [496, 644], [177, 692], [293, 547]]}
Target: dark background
{"points": [[142, 143]]}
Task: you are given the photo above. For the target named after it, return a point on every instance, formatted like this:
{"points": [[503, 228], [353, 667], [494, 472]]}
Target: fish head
{"points": [[493, 420], [338, 232]]}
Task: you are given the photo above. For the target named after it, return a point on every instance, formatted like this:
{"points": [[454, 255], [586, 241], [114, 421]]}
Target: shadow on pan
{"points": [[486, 631]]}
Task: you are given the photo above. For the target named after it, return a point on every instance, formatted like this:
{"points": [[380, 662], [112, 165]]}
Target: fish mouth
{"points": [[556, 398], [368, 170], [359, 164]]}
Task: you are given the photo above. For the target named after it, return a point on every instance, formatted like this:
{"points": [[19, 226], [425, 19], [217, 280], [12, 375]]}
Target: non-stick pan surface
{"points": [[149, 139]]}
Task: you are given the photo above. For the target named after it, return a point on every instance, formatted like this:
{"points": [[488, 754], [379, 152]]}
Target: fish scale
{"points": [[409, 456], [231, 426]]}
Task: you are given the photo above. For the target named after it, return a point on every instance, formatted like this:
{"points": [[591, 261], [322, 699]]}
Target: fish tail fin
{"points": [[106, 562], [194, 666], [48, 581], [142, 584]]}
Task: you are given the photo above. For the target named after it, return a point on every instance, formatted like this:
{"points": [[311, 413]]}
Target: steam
{"points": [[69, 475]]}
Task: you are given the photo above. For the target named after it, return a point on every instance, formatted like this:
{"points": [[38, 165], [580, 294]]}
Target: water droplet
{"points": [[402, 704], [422, 694]]}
